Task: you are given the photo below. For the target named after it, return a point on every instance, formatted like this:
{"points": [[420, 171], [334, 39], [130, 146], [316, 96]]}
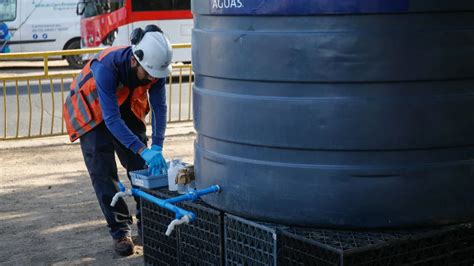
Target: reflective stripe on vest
{"points": [[81, 105]]}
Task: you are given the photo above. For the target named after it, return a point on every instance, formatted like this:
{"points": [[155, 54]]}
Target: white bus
{"points": [[42, 25]]}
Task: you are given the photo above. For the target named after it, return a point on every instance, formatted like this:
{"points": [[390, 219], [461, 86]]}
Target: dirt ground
{"points": [[49, 214]]}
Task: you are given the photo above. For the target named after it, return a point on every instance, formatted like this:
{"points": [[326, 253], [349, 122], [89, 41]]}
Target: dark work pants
{"points": [[98, 147]]}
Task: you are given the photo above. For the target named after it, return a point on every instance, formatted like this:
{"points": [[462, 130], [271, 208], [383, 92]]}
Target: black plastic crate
{"points": [[197, 243], [249, 242], [158, 249], [201, 242], [451, 245]]}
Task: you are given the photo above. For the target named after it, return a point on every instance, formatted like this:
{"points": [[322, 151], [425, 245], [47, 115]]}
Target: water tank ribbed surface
{"points": [[336, 113]]}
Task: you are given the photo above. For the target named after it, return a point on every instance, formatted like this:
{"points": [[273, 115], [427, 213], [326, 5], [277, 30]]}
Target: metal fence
{"points": [[32, 104]]}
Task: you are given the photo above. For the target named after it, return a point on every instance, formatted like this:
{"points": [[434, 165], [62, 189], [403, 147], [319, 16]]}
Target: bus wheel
{"points": [[74, 61]]}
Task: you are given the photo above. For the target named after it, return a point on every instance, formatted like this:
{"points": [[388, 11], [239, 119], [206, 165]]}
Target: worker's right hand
{"points": [[155, 161]]}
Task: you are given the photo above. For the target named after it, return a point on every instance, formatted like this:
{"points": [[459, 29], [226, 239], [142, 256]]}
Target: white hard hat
{"points": [[154, 53]]}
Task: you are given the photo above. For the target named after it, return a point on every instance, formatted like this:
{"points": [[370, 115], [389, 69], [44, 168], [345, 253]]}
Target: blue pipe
{"points": [[162, 203], [121, 187], [168, 203], [194, 194]]}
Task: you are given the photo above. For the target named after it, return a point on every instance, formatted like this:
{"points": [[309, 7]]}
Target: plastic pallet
{"points": [[158, 249], [250, 243], [197, 243], [451, 245]]}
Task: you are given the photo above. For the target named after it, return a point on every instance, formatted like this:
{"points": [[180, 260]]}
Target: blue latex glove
{"points": [[155, 161], [156, 148]]}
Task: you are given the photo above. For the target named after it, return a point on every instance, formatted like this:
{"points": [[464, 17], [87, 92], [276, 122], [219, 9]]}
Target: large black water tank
{"points": [[349, 113]]}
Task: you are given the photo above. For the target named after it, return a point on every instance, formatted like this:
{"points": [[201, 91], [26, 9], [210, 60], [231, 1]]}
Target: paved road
{"points": [[14, 68], [42, 104]]}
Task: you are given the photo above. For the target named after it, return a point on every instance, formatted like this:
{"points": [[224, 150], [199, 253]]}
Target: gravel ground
{"points": [[49, 214]]}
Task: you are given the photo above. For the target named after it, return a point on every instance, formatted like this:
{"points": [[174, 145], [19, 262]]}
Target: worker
{"points": [[106, 110]]}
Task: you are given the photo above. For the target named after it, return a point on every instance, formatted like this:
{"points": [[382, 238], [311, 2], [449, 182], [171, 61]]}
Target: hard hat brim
{"points": [[159, 73]]}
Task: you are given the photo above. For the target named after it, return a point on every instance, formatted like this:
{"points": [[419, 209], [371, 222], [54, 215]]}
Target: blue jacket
{"points": [[113, 69]]}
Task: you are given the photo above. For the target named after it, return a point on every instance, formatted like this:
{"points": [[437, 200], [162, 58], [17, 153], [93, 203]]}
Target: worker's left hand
{"points": [[155, 161], [165, 166], [156, 148]]}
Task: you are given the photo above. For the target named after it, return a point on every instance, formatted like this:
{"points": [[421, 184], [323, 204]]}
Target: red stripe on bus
{"points": [[160, 15]]}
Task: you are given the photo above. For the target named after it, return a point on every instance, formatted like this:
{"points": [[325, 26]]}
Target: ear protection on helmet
{"points": [[152, 28], [137, 35]]}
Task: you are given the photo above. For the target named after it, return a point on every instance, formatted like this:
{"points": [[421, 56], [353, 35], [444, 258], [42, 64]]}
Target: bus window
{"points": [[94, 8], [146, 5], [114, 5], [7, 10], [182, 4], [90, 9]]}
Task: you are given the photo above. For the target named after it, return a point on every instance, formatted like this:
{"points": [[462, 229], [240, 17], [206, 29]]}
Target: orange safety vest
{"points": [[82, 111]]}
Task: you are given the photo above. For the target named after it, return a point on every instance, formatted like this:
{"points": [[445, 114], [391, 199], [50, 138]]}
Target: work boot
{"points": [[123, 246]]}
